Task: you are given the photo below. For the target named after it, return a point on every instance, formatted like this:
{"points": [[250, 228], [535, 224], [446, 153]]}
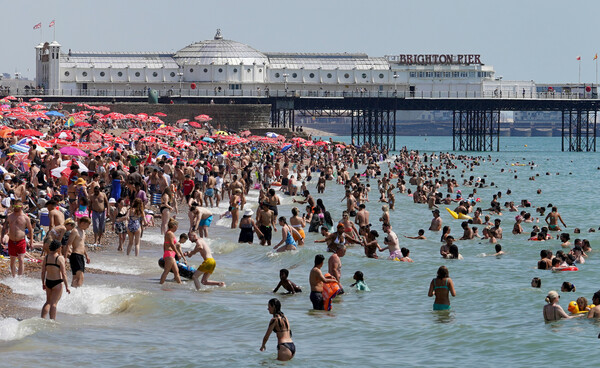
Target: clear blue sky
{"points": [[523, 40]]}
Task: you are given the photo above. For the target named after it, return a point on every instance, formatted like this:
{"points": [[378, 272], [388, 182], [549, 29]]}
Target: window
{"points": [[421, 74], [84, 74], [102, 74], [447, 74], [438, 74], [191, 70], [205, 70], [364, 75], [67, 74], [429, 74], [413, 74], [381, 76], [260, 70], [155, 74], [346, 75], [294, 75], [137, 74], [312, 75], [235, 86], [248, 70], [471, 74], [463, 74], [235, 70], [455, 74], [172, 74], [276, 75], [220, 70], [120, 74], [329, 75]]}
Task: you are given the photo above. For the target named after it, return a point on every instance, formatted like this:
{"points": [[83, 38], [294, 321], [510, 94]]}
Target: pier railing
{"points": [[142, 93]]}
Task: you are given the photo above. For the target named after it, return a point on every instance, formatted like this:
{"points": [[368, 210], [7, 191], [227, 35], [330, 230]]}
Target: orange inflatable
{"points": [[330, 291]]}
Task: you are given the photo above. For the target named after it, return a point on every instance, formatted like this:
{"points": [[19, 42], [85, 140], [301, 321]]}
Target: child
{"points": [[405, 255], [360, 282], [499, 250], [287, 284], [536, 282], [183, 238], [371, 245], [208, 266], [420, 236]]}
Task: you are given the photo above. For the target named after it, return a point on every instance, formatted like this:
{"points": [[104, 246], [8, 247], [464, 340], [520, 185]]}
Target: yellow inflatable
{"points": [[574, 308], [458, 216]]}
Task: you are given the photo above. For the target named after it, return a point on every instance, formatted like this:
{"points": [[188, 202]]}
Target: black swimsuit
{"points": [[50, 284], [282, 326]]}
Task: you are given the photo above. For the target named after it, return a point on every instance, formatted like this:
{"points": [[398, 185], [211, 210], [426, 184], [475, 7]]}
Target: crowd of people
{"points": [[121, 180]]}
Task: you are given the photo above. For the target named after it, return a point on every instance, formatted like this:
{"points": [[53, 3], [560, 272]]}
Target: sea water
{"points": [[129, 320]]}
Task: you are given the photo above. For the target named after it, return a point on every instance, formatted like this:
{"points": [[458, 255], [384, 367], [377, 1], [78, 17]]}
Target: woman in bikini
{"points": [[298, 223], [442, 287], [553, 311], [281, 326], [120, 222], [287, 236], [53, 276], [170, 251], [165, 209], [135, 219]]}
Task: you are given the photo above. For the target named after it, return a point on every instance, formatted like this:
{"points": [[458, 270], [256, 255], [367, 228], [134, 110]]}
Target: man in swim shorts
{"points": [[207, 267], [266, 223], [98, 204], [210, 188], [17, 223], [316, 280], [76, 251], [206, 218]]}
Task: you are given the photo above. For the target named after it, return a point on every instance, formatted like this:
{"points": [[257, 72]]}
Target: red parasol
{"points": [[35, 99], [181, 121], [39, 107], [28, 133], [160, 114], [195, 125], [82, 124], [203, 118]]}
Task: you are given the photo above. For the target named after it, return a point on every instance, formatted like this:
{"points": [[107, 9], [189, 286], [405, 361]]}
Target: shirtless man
{"points": [[210, 188], [266, 223], [436, 222], [17, 222], [362, 216], [467, 231], [350, 203], [98, 205], [335, 263], [204, 221], [316, 280], [391, 242], [339, 237], [207, 267], [76, 251], [55, 215], [554, 217]]}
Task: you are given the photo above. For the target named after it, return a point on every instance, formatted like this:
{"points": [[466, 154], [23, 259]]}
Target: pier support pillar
{"points": [[283, 114], [375, 126], [579, 130], [476, 130]]}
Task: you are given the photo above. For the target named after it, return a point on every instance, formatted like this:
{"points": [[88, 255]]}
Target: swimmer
{"points": [[567, 287], [360, 282], [595, 312], [536, 282], [421, 235], [552, 310], [287, 284], [442, 287], [281, 326], [552, 220]]}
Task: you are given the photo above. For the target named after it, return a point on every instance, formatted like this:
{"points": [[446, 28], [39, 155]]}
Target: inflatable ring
{"points": [[330, 291], [574, 308], [276, 184], [570, 268]]}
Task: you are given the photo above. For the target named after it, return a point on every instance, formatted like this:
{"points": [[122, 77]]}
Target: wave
{"points": [[12, 329]]}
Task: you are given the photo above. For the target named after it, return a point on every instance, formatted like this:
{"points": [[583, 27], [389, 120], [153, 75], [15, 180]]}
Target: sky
{"points": [[524, 40]]}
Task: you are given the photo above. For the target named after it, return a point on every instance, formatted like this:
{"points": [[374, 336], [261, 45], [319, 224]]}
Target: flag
{"points": [[579, 58], [51, 24], [38, 26], [596, 57], [149, 159]]}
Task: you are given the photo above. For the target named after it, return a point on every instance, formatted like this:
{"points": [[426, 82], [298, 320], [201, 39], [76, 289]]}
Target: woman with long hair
{"points": [[281, 326], [136, 219], [170, 251], [120, 222], [165, 208], [442, 287]]}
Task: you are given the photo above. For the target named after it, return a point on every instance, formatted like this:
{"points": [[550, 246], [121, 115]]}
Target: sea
{"points": [[129, 320]]}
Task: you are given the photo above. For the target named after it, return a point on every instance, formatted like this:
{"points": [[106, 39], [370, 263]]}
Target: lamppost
{"points": [[395, 83], [285, 77], [180, 74]]}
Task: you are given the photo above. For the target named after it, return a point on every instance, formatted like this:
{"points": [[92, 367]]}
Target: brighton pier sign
{"points": [[426, 59]]}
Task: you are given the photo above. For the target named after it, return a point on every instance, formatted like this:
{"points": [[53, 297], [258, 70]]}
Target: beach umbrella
{"points": [[163, 153], [150, 139], [208, 139], [82, 124], [60, 142], [181, 121], [120, 140], [321, 143], [10, 98], [285, 148], [72, 151], [24, 104], [245, 133], [272, 135], [55, 113], [5, 132], [36, 141], [28, 133], [160, 114], [221, 132], [137, 131], [203, 118], [195, 124], [20, 147], [182, 144], [65, 168], [38, 107], [108, 149], [35, 99]]}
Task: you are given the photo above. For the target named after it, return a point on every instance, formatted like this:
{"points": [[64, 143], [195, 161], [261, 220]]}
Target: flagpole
{"points": [[579, 80]]}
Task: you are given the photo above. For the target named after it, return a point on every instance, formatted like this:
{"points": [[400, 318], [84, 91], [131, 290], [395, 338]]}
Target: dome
{"points": [[219, 52]]}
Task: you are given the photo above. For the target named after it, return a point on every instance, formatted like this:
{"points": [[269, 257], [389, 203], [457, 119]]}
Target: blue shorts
{"points": [[209, 192], [206, 222], [439, 307]]}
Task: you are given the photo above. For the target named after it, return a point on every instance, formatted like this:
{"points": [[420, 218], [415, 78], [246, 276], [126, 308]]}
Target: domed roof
{"points": [[219, 52]]}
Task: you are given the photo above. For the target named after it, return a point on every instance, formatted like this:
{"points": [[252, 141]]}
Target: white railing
{"points": [[183, 93]]}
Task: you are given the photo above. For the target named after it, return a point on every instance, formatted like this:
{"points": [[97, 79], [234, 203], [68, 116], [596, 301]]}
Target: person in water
{"points": [[360, 282], [287, 284], [54, 275], [552, 310], [442, 287], [316, 280], [595, 312], [208, 265], [281, 326]]}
